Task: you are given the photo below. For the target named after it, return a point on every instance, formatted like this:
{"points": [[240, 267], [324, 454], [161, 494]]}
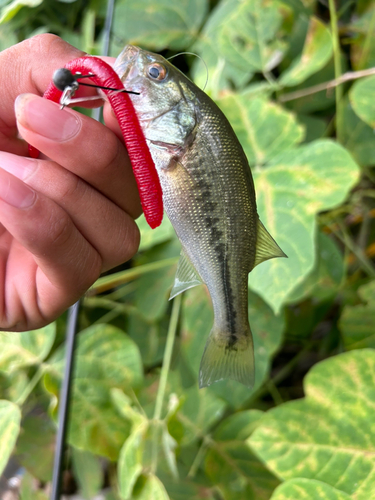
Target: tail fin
{"points": [[222, 359]]}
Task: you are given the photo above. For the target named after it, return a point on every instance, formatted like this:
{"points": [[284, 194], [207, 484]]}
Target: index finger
{"points": [[28, 67]]}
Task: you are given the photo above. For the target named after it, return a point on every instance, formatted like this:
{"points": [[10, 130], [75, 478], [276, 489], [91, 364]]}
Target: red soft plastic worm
{"points": [[140, 157]]}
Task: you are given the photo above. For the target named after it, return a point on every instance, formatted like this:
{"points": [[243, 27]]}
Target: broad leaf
{"points": [[357, 322], [37, 439], [238, 39], [153, 288], [295, 186], [361, 96], [7, 37], [150, 488], [158, 24], [199, 412], [358, 137], [316, 52], [248, 37], [318, 100], [232, 466], [197, 321], [105, 358], [21, 349], [88, 473], [151, 237], [326, 277], [10, 419], [263, 128], [329, 436], [308, 489], [130, 463], [10, 10]]}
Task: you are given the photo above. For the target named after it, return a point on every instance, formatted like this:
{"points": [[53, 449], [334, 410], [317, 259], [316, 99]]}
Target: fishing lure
{"points": [[142, 163]]}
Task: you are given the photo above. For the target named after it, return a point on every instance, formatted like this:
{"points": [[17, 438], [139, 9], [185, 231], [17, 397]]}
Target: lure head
{"points": [[166, 105]]}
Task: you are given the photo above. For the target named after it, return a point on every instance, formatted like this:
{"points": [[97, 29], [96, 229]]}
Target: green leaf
{"points": [[357, 322], [317, 51], [7, 37], [105, 358], [361, 97], [88, 472], [153, 288], [21, 349], [232, 466], [151, 237], [238, 426], [197, 321], [37, 439], [158, 24], [130, 462], [263, 128], [238, 39], [137, 459], [295, 186], [10, 10], [319, 100], [326, 277], [248, 39], [358, 137], [329, 435], [29, 489], [199, 412], [124, 404], [151, 488], [10, 419], [314, 127], [308, 489]]}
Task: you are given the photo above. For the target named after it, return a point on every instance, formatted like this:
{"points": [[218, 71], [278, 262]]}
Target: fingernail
{"points": [[19, 166], [14, 192], [45, 118]]}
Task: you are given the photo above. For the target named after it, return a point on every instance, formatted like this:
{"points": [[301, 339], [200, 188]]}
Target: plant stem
{"points": [[167, 356], [346, 77], [338, 69], [198, 458], [107, 282], [163, 380], [30, 386], [364, 261]]}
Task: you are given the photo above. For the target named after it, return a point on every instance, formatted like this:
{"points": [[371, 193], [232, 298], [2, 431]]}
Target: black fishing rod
{"points": [[71, 333]]}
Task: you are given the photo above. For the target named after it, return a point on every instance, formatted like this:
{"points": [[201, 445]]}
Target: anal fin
{"points": [[266, 247], [186, 276]]}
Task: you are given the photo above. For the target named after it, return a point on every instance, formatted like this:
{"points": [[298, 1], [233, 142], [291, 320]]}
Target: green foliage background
{"points": [[143, 429]]}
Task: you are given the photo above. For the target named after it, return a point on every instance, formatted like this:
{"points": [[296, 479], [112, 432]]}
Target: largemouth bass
{"points": [[209, 196]]}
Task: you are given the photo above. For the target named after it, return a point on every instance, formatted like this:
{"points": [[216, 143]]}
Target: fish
{"points": [[209, 197]]}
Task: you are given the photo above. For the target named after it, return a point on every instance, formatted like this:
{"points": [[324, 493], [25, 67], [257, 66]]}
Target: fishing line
{"points": [[64, 80], [199, 57]]}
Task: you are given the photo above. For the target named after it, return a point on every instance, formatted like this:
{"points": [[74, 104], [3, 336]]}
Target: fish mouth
{"points": [[125, 64]]}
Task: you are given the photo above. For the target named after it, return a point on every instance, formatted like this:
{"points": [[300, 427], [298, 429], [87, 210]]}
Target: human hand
{"points": [[68, 216]]}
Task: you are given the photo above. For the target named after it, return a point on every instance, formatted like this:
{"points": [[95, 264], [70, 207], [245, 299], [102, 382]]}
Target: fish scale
{"points": [[209, 196]]}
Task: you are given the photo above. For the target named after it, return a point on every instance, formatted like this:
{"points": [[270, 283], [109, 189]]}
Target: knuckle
{"points": [[124, 244], [71, 188], [60, 229]]}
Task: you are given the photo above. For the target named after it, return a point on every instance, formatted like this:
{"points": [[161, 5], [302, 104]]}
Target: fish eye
{"points": [[157, 72]]}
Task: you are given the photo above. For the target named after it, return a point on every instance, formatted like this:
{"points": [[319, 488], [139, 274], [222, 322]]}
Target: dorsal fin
{"points": [[186, 276], [266, 247]]}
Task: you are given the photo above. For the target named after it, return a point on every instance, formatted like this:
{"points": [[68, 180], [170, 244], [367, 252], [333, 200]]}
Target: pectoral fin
{"points": [[266, 247], [186, 276]]}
